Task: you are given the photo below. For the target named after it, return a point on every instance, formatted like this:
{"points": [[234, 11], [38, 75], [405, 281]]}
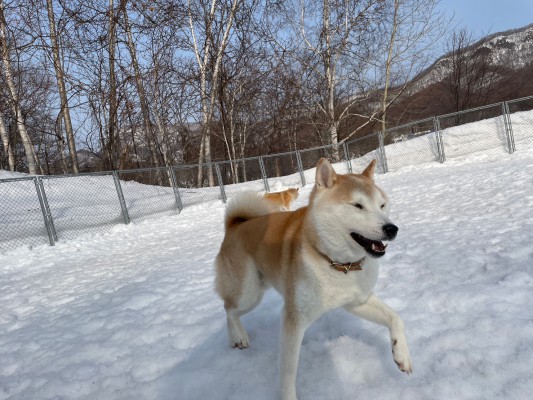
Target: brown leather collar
{"points": [[345, 267]]}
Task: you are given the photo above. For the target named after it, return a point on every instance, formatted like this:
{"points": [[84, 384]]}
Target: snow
{"points": [[10, 175], [131, 314]]}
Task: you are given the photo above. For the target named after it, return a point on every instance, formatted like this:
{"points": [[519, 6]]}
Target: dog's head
{"points": [[350, 212]]}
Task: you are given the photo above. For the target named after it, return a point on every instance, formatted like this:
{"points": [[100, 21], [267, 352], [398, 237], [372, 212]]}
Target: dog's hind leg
{"points": [[241, 294], [238, 337], [376, 310]]}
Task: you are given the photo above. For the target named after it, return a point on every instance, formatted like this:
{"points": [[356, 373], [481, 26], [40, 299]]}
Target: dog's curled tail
{"points": [[245, 206]]}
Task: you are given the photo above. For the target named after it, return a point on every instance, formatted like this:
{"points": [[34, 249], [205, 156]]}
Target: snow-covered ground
{"points": [[132, 314]]}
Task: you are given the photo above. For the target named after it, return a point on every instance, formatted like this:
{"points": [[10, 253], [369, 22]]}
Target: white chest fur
{"points": [[323, 288]]}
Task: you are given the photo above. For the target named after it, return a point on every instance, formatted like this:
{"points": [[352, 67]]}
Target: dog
{"points": [[318, 257], [283, 199]]}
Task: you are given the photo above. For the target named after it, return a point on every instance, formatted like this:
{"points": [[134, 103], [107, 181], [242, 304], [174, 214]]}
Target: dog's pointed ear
{"points": [[369, 171], [325, 174]]}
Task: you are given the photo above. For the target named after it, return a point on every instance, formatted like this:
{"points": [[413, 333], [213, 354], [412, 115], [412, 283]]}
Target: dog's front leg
{"points": [[377, 311], [291, 341]]}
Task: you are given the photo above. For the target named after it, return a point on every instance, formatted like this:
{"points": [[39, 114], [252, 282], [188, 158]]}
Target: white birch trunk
{"points": [[330, 70], [14, 100], [113, 145], [61, 147], [8, 150], [388, 66], [65, 109], [145, 111], [205, 60]]}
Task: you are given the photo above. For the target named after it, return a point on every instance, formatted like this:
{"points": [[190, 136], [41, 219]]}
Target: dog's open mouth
{"points": [[374, 248]]}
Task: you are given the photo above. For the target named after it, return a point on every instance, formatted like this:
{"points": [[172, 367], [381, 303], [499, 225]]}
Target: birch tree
{"points": [[112, 134], [13, 94], [413, 27], [357, 57], [388, 64], [8, 149], [60, 77], [338, 47], [143, 101], [210, 25]]}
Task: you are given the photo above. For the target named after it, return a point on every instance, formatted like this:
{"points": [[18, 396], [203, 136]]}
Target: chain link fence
{"points": [[365, 149], [74, 211], [283, 170], [520, 120], [414, 144], [235, 173], [21, 214], [192, 183], [148, 192], [471, 131], [44, 209]]}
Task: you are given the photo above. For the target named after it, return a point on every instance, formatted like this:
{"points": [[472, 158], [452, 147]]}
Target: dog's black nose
{"points": [[390, 230]]}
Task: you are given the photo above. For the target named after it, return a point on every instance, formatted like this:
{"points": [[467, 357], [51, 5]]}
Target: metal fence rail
{"points": [[520, 122], [44, 209], [147, 192], [22, 219]]}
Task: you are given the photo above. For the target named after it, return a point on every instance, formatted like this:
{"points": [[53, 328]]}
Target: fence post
{"points": [[508, 127], [121, 200], [263, 174], [220, 183], [438, 137], [45, 209], [300, 167], [174, 183], [381, 136], [347, 156]]}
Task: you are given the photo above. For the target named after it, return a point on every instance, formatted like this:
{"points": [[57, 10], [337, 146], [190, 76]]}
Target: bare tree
{"points": [[413, 26], [210, 25], [356, 57], [338, 41], [60, 77], [388, 64], [8, 149], [470, 75], [14, 98], [143, 101], [113, 134], [243, 77], [152, 83]]}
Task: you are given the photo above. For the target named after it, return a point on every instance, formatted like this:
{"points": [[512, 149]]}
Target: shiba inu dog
{"points": [[283, 199], [319, 257]]}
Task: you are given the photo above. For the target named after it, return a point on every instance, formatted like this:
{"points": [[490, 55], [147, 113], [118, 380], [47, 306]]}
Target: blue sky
{"points": [[483, 17]]}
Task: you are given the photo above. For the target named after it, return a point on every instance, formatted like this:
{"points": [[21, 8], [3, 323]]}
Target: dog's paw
{"points": [[400, 353], [238, 337], [240, 340], [289, 394], [240, 344]]}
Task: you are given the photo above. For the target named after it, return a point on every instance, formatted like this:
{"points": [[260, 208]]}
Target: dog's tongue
{"points": [[378, 247]]}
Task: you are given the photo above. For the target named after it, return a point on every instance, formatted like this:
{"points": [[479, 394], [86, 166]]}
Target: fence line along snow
{"points": [[44, 209]]}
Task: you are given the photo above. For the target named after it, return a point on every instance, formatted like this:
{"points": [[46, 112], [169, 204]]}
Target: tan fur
{"points": [[283, 199], [266, 241], [287, 250], [248, 205]]}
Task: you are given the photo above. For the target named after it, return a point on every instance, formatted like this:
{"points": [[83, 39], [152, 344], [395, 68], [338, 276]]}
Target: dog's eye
{"points": [[383, 206], [359, 206]]}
